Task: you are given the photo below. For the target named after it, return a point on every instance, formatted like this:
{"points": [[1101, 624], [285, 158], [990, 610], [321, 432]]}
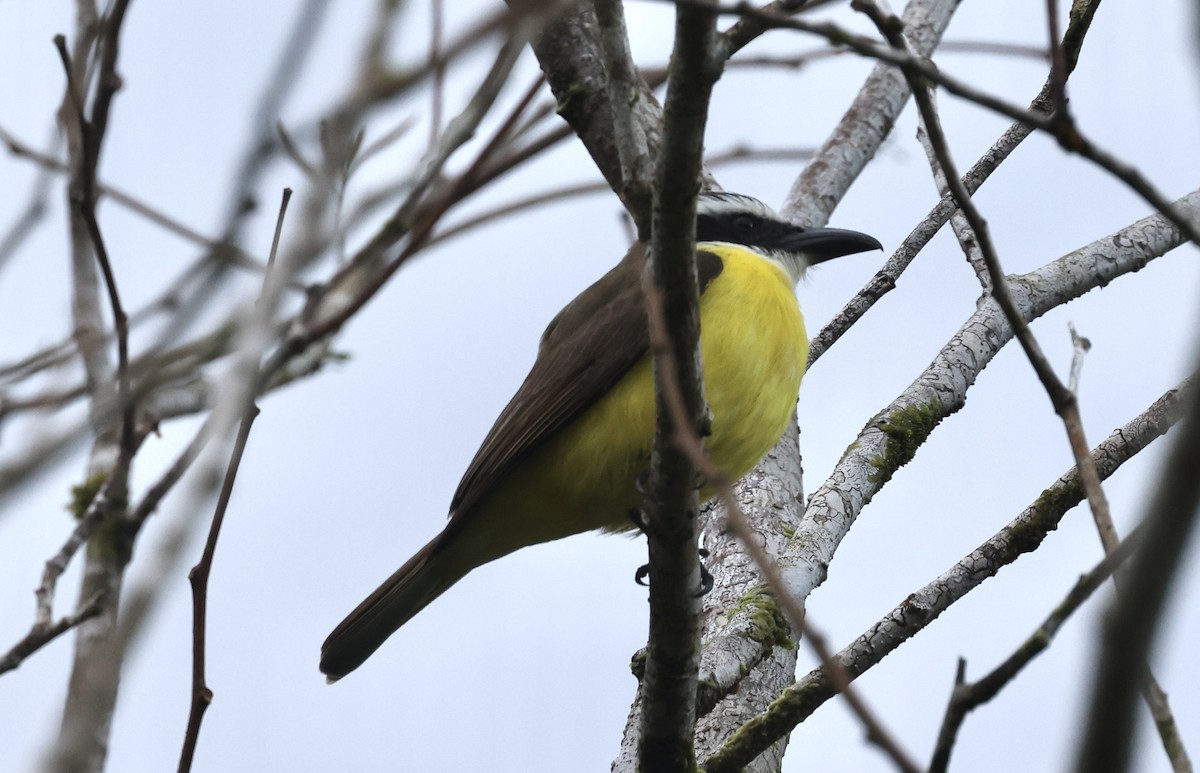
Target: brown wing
{"points": [[587, 348]]}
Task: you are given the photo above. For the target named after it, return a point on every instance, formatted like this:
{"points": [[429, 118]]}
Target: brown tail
{"points": [[409, 590]]}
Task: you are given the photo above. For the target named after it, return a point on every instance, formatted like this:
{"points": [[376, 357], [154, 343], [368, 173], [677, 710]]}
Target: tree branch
{"points": [[885, 280], [967, 696], [668, 689], [91, 694], [570, 54], [739, 655], [625, 90], [1130, 625], [1024, 534], [202, 695], [894, 435], [1063, 399]]}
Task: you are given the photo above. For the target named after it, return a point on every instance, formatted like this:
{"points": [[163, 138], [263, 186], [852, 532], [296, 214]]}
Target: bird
{"points": [[566, 454]]}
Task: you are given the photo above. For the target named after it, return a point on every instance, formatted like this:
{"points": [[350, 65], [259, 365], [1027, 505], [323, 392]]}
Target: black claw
{"points": [[641, 484], [706, 578]]}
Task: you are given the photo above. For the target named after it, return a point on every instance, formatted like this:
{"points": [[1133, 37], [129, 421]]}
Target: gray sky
{"points": [[524, 665]]}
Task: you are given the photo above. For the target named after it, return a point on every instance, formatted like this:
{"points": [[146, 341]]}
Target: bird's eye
{"points": [[745, 222]]}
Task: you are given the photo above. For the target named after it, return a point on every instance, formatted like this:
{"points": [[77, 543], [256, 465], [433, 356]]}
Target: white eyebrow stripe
{"points": [[717, 203]]}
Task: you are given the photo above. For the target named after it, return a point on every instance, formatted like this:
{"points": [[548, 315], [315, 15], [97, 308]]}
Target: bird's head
{"points": [[745, 221]]}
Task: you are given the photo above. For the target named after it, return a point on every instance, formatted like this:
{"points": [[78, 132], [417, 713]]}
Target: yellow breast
{"points": [[754, 349]]}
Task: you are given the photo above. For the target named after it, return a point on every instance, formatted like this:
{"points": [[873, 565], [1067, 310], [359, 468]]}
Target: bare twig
{"points": [[958, 222], [198, 577], [415, 218], [894, 437], [800, 61], [261, 145], [1080, 346], [734, 154], [1064, 400], [482, 171], [148, 211], [41, 635], [155, 494], [746, 29], [202, 695], [923, 606], [885, 280], [83, 199], [1058, 64], [379, 83], [1130, 626], [876, 732], [25, 221], [967, 696], [437, 67], [1058, 125]]}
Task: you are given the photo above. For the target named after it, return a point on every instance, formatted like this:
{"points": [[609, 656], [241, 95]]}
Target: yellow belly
{"points": [[754, 349]]}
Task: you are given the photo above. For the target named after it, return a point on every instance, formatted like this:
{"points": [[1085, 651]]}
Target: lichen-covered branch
{"points": [[1022, 535]]}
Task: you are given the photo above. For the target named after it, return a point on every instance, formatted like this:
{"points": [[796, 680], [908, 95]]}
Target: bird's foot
{"points": [[706, 578]]}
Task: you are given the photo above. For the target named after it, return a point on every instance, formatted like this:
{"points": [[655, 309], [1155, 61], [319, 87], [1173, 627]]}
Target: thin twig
{"points": [[378, 83], [967, 696], [484, 171], [962, 229], [27, 220], [41, 635], [1080, 347], [800, 61], [155, 494], [222, 251], [1058, 64], [198, 577], [1130, 626], [885, 279], [748, 28], [437, 67], [1064, 400], [411, 218], [734, 154], [1058, 125]]}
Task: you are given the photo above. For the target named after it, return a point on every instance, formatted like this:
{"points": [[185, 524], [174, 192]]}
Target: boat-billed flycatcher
{"points": [[564, 456]]}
